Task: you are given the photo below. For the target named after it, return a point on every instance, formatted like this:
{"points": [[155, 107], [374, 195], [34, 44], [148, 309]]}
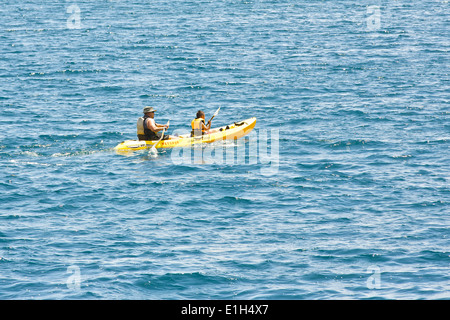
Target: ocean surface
{"points": [[341, 191]]}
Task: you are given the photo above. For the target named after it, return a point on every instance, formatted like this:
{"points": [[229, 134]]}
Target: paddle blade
{"points": [[215, 114]]}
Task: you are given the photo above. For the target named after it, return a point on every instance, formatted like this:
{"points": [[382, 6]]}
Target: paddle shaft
{"points": [[162, 136]]}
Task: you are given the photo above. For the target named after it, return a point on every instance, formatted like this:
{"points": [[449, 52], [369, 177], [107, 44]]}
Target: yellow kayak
{"points": [[233, 131]]}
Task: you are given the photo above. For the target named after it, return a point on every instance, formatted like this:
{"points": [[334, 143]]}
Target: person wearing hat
{"points": [[147, 128]]}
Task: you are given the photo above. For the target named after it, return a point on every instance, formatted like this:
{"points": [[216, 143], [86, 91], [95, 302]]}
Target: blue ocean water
{"points": [[351, 203]]}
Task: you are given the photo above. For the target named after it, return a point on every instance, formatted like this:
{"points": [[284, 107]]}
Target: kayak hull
{"points": [[231, 132]]}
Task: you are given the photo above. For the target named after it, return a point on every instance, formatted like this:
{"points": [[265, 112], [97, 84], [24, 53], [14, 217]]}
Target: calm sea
{"points": [[346, 195]]}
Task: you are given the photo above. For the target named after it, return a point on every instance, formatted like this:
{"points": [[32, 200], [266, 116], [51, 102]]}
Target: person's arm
{"points": [[162, 126], [207, 127], [155, 127]]}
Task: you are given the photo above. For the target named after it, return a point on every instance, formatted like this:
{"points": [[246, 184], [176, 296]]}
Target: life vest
{"points": [[197, 128], [143, 132]]}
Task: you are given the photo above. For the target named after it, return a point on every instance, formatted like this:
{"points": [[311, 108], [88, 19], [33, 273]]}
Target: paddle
{"points": [[153, 149], [215, 114]]}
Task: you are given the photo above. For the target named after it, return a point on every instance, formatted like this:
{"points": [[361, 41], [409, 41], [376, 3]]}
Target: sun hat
{"points": [[149, 109]]}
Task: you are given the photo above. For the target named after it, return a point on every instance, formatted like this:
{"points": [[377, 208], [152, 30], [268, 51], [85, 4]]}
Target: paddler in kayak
{"points": [[147, 128], [198, 125]]}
